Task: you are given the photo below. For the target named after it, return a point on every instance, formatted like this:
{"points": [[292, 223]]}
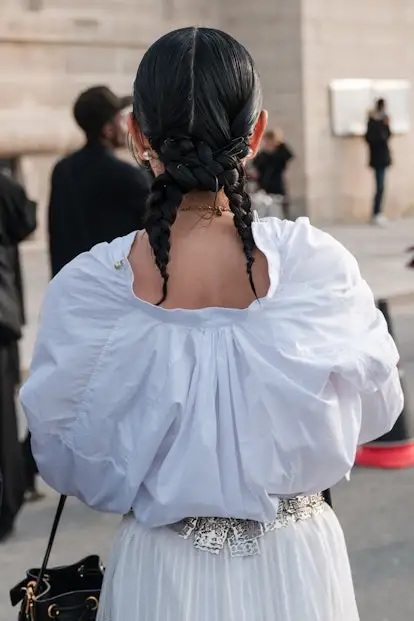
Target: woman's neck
{"points": [[199, 199]]}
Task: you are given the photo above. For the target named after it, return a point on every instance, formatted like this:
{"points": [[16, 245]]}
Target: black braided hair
{"points": [[162, 206], [197, 98], [241, 206]]}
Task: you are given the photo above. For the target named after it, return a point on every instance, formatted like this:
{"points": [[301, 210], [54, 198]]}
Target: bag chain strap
{"points": [[32, 588], [52, 536]]}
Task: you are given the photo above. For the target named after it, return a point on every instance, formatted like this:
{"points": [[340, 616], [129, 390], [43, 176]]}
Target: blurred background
{"points": [[52, 49], [322, 63]]}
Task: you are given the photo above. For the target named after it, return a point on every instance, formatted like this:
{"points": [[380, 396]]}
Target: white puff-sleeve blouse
{"points": [[211, 412]]}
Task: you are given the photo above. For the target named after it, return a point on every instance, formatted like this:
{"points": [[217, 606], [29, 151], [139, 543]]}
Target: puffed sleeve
{"points": [[78, 322], [335, 382], [324, 286]]}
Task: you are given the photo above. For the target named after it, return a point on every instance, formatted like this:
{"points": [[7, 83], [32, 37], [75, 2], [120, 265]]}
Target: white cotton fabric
{"points": [[302, 574], [180, 413], [215, 412]]}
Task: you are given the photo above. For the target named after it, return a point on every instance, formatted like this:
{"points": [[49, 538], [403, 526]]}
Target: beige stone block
{"points": [[97, 60], [88, 27], [127, 61], [18, 60]]}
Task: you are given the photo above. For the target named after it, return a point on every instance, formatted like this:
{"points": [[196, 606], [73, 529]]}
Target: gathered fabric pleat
{"points": [[302, 573]]}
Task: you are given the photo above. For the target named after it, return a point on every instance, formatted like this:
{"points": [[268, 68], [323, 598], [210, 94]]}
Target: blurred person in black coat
{"points": [[17, 221], [270, 165], [410, 263], [95, 196], [377, 136]]}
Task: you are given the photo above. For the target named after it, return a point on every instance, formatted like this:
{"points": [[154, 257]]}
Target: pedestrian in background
{"points": [[32, 492], [410, 263], [270, 165], [377, 136], [214, 372], [17, 221], [95, 196]]}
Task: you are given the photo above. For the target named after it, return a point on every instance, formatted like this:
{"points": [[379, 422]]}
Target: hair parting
{"points": [[197, 97]]}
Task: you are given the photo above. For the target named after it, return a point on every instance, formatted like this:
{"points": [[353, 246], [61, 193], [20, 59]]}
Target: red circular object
{"points": [[396, 456]]}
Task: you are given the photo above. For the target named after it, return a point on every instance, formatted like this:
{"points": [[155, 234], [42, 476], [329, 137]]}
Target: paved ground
{"points": [[376, 508], [381, 254]]}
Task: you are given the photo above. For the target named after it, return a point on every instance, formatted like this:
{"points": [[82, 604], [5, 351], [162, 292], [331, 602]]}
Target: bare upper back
{"points": [[207, 266]]}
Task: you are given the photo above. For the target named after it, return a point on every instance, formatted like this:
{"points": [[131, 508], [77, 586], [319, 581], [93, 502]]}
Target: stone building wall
{"points": [[52, 49], [272, 33], [300, 46], [353, 39]]}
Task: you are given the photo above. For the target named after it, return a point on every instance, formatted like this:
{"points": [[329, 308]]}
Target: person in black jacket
{"points": [[377, 136], [95, 196], [410, 263], [17, 221], [270, 165]]}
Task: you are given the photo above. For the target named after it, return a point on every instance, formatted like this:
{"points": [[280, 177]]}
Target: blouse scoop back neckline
{"points": [[196, 315]]}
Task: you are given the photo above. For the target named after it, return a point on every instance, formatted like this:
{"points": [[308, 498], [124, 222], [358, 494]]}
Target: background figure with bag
{"points": [[17, 221]]}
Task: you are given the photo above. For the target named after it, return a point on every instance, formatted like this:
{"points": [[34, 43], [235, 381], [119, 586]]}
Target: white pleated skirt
{"points": [[301, 574]]}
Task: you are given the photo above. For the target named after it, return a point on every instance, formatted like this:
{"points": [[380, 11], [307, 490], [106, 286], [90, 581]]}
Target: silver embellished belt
{"points": [[211, 534]]}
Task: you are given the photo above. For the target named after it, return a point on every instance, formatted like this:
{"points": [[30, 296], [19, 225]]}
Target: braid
{"points": [[240, 205], [162, 206], [191, 164], [197, 98]]}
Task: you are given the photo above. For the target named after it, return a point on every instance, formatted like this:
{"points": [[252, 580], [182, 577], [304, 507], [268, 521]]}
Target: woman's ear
{"points": [[259, 130], [139, 139]]}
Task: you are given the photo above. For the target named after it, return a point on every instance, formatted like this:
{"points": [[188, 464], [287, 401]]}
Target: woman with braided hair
{"points": [[210, 375]]}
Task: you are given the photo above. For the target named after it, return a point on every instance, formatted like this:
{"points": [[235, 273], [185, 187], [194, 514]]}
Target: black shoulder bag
{"points": [[67, 593]]}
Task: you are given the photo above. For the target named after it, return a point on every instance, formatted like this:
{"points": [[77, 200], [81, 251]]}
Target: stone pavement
{"points": [[381, 255]]}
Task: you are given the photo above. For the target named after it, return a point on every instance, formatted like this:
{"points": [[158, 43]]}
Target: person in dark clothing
{"points": [[31, 471], [377, 136], [410, 263], [95, 197], [17, 221], [270, 165]]}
